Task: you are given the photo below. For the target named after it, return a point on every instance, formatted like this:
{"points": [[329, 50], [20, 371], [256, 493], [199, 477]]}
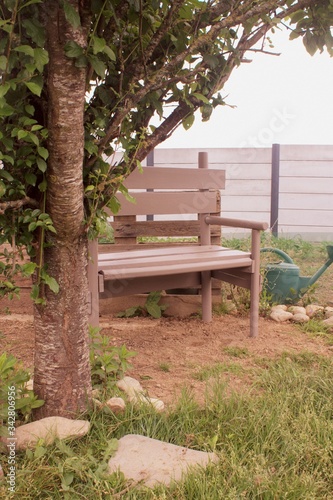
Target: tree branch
{"points": [[15, 204]]}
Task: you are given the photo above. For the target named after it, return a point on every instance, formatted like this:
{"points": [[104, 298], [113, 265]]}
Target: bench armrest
{"points": [[246, 224]]}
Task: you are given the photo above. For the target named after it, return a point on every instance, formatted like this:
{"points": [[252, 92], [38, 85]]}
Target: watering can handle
{"points": [[279, 252]]}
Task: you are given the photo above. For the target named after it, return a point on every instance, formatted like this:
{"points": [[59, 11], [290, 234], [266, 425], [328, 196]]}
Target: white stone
{"points": [[297, 310], [156, 403], [130, 386], [312, 310], [300, 318], [328, 321], [154, 462], [1, 472], [278, 307], [117, 405], [280, 315], [328, 312], [48, 429], [30, 385]]}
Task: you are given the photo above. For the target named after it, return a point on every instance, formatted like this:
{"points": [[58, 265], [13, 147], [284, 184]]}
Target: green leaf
{"points": [[50, 282], [114, 205], [3, 62], [41, 58], [22, 134], [41, 164], [72, 49], [99, 66], [201, 97], [154, 310], [43, 152], [68, 478], [35, 30], [109, 52], [72, 16], [99, 44], [35, 88], [42, 186], [4, 87], [6, 175], [26, 49], [188, 122], [29, 268], [6, 110], [2, 189], [31, 179], [310, 43]]}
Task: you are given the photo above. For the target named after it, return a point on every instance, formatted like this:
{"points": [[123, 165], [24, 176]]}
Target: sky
{"points": [[286, 99]]}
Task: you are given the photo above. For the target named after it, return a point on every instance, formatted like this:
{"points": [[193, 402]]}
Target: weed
{"points": [[16, 400], [108, 363], [237, 352], [150, 308], [164, 367], [215, 370]]}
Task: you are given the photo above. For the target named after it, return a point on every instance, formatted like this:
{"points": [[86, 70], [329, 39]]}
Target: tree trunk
{"points": [[62, 369]]}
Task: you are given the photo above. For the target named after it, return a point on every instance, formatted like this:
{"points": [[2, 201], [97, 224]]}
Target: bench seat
{"points": [[164, 261]]}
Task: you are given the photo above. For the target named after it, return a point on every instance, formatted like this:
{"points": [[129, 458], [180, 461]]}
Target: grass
{"points": [[274, 441]]}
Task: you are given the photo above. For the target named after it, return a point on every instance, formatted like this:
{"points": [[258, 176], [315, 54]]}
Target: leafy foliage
{"points": [[140, 58], [108, 363], [14, 392], [150, 308]]}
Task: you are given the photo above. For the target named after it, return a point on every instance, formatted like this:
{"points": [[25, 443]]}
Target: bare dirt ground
{"points": [[173, 352]]}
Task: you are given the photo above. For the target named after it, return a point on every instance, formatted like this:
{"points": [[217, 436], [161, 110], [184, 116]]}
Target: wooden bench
{"points": [[179, 191]]}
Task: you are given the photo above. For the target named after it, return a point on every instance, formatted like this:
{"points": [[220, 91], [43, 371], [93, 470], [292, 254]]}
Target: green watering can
{"points": [[282, 281]]}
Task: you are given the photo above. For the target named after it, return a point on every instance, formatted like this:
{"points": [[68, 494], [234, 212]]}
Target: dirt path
{"points": [[173, 353]]}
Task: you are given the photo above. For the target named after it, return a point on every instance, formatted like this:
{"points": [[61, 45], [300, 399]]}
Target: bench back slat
{"points": [[160, 228], [176, 178], [159, 203]]}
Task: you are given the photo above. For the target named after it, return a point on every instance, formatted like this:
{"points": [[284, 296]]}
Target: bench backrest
{"points": [[169, 191]]}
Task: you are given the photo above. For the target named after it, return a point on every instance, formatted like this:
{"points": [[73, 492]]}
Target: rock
{"points": [[117, 405], [154, 462], [328, 312], [156, 403], [279, 307], [280, 315], [300, 318], [312, 310], [130, 386], [1, 473], [297, 310], [328, 321], [30, 385], [49, 429]]}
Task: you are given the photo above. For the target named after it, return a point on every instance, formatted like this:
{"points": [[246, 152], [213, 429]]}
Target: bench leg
{"points": [[255, 284], [93, 283], [206, 292]]}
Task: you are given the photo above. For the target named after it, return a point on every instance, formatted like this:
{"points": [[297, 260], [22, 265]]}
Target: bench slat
{"points": [[176, 178], [164, 251], [172, 268], [160, 228], [161, 203]]}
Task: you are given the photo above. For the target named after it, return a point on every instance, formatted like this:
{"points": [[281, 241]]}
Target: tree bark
{"points": [[62, 369]]}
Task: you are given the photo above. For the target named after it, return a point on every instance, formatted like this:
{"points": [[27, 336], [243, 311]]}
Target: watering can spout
{"points": [[323, 268]]}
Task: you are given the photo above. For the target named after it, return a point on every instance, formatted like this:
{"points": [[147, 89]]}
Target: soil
{"points": [[173, 352]]}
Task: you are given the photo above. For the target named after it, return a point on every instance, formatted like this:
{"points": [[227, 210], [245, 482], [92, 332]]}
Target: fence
{"points": [[290, 187]]}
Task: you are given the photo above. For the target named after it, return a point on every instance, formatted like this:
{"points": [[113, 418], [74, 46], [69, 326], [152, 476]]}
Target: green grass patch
{"points": [[216, 369], [273, 443]]}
